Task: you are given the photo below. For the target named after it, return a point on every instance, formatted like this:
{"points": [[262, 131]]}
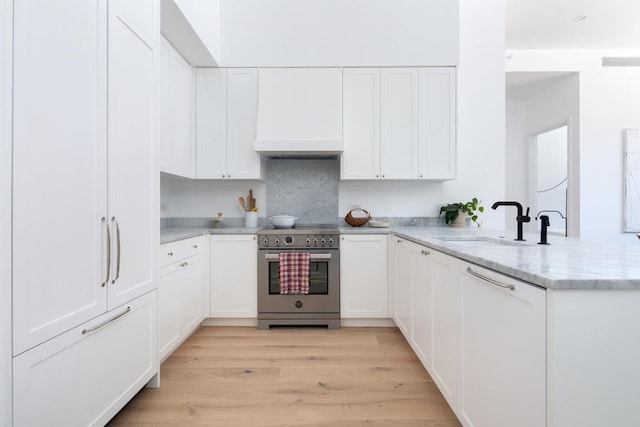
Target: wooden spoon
{"points": [[241, 200]]}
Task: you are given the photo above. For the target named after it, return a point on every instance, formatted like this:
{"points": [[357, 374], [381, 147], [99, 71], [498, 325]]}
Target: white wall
{"points": [[205, 198], [517, 156], [339, 32], [550, 107], [204, 17], [6, 29], [480, 123], [609, 101]]}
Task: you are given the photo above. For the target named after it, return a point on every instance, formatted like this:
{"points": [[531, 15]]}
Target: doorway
{"points": [[550, 177]]}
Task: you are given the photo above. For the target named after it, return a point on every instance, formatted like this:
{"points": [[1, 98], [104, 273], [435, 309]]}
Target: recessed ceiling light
{"points": [[579, 18]]}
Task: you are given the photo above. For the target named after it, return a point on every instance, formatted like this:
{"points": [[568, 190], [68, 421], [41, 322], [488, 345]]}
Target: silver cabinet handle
{"points": [[114, 220], [313, 256], [106, 279], [423, 252], [195, 246], [106, 322], [490, 280]]}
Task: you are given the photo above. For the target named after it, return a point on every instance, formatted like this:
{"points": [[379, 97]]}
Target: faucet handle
{"points": [[525, 217], [528, 209]]}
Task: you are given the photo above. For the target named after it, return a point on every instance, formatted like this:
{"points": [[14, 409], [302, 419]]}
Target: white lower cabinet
{"points": [[181, 293], [234, 275], [363, 276], [86, 375], [503, 352], [445, 322], [480, 335]]}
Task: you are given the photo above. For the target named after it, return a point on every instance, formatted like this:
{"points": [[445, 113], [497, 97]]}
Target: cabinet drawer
{"points": [[175, 251], [85, 376]]}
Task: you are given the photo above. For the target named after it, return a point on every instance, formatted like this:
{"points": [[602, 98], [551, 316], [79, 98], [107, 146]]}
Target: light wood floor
{"points": [[223, 376]]}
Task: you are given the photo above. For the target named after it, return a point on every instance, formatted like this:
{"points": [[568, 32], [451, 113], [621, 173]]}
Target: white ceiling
{"points": [[552, 24]]}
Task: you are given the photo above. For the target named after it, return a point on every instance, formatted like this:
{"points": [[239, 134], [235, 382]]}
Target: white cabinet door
{"points": [[191, 294], [403, 311], [503, 360], [361, 123], [234, 276], [59, 167], [169, 309], [226, 109], [86, 375], [445, 322], [242, 103], [211, 123], [437, 123], [421, 303], [363, 276], [177, 139], [132, 180], [399, 123]]}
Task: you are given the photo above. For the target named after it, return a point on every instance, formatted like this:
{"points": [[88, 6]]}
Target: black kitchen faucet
{"points": [[520, 218]]}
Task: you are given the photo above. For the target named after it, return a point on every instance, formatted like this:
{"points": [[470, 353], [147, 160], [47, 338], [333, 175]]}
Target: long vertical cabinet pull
{"points": [[106, 279], [115, 221]]}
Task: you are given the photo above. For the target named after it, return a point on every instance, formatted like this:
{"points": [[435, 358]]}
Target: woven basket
{"points": [[357, 222]]}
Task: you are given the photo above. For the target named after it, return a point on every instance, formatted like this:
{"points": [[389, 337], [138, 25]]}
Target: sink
{"points": [[475, 241]]}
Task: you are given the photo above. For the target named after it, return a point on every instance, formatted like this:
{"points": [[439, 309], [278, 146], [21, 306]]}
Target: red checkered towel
{"points": [[294, 272]]}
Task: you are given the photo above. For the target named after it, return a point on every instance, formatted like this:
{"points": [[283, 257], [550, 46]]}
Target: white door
{"points": [[211, 123], [363, 276], [59, 167], [445, 312], [191, 294], [234, 276], [437, 123], [403, 312], [131, 130], [181, 118], [169, 309], [399, 123], [361, 123], [422, 302], [503, 360], [242, 104]]}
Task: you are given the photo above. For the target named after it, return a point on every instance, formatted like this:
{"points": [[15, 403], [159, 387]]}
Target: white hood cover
{"points": [[299, 112]]}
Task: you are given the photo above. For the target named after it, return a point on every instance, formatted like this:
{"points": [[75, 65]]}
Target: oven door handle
{"points": [[312, 256]]}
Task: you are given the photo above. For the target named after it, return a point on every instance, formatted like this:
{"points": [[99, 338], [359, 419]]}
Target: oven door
{"points": [[324, 284]]}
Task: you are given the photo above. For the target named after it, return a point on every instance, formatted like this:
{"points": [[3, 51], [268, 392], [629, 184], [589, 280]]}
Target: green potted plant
{"points": [[455, 214]]}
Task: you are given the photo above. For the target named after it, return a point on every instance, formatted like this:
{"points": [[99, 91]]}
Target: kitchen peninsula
{"points": [[502, 323]]}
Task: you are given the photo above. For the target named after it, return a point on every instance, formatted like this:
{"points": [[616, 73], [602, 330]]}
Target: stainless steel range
{"points": [[321, 305]]}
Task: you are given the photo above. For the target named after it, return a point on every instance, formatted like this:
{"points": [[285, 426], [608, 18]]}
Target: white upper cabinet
{"points": [[437, 123], [177, 139], [211, 123], [226, 103], [361, 123], [399, 123]]}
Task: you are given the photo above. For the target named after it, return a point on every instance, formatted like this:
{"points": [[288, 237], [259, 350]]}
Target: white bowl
{"points": [[283, 221]]}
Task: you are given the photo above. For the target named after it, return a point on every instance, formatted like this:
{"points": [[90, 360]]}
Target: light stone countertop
{"points": [[564, 264]]}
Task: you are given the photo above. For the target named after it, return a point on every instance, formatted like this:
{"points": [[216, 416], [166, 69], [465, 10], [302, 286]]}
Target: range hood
{"points": [[299, 112]]}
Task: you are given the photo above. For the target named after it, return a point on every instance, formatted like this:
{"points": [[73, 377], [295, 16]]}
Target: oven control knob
{"points": [[298, 304], [277, 242], [308, 241], [323, 241], [288, 240], [331, 240], [265, 241], [315, 241]]}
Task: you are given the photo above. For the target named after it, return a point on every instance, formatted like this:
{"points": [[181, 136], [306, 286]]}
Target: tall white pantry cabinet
{"points": [[84, 208]]}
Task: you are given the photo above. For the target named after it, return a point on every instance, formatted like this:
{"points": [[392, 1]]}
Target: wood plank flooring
{"points": [[234, 376]]}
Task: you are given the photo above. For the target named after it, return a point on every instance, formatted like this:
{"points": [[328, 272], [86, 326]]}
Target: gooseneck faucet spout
{"points": [[520, 218]]}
